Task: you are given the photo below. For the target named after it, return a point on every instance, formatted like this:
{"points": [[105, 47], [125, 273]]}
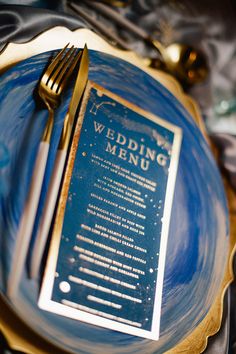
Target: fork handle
{"points": [[48, 211], [27, 220]]}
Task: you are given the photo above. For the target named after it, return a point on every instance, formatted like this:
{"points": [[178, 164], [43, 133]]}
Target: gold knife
{"points": [[55, 180]]}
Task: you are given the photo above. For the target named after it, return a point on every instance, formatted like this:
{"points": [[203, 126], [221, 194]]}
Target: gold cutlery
{"points": [[55, 181], [50, 89], [186, 63]]}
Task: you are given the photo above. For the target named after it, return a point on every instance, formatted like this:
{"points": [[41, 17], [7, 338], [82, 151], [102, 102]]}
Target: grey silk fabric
{"points": [[208, 25], [205, 24]]}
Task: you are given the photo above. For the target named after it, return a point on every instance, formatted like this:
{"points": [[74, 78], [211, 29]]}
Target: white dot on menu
{"points": [[64, 287]]}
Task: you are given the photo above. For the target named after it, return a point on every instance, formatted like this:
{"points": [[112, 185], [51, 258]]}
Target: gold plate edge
{"points": [[56, 38], [196, 342], [59, 36]]}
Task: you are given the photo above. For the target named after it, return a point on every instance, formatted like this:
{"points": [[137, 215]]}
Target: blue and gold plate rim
{"points": [[18, 334]]}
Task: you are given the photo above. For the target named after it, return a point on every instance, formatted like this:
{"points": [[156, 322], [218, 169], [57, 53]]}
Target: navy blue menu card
{"points": [[107, 256]]}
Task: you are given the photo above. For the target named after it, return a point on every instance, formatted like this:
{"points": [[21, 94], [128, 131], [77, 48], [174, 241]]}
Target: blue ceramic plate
{"points": [[197, 248]]}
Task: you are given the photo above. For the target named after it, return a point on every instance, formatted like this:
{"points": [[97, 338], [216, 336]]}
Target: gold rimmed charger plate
{"points": [[17, 333]]}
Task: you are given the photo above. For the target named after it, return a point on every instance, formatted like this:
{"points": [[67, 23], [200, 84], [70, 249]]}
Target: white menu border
{"points": [[74, 312]]}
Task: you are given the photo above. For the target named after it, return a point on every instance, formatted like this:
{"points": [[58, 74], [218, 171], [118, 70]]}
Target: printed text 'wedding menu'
{"points": [[106, 261]]}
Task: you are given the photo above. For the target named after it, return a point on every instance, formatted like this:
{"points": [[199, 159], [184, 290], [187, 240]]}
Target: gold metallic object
{"points": [[21, 337], [187, 64], [118, 3], [183, 61], [59, 164], [53, 82], [196, 342], [50, 88], [80, 84]]}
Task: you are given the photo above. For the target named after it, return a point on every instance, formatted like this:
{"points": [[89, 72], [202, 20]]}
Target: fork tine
{"points": [[53, 64], [66, 72], [60, 66], [58, 76]]}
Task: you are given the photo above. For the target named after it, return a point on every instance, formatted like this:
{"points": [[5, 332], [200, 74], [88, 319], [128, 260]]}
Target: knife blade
{"points": [[79, 87]]}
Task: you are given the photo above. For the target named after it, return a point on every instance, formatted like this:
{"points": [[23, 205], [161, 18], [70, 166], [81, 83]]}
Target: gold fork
{"points": [[51, 86]]}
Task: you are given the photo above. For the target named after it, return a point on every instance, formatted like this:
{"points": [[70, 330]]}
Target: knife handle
{"points": [[48, 211], [25, 229]]}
